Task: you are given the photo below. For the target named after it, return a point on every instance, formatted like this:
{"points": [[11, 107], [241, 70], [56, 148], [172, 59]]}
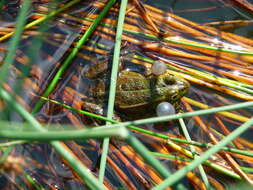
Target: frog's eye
{"points": [[169, 80]]}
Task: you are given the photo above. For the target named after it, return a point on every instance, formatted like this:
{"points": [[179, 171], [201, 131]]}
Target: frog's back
{"points": [[133, 90]]}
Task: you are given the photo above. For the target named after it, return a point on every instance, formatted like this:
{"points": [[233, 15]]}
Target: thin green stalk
{"points": [[234, 84], [184, 115], [189, 44], [193, 151], [177, 41], [82, 171], [68, 135], [32, 181], [247, 170], [220, 80], [206, 163], [113, 81], [19, 28], [5, 154], [231, 83], [42, 19], [182, 172], [208, 47], [13, 45], [223, 81], [33, 53], [14, 41], [149, 158], [11, 143], [72, 55], [162, 136], [77, 135]]}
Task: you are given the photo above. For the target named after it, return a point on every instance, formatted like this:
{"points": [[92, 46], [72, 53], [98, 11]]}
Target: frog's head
{"points": [[170, 88]]}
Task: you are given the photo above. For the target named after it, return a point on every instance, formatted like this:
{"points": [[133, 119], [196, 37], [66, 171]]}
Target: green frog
{"points": [[135, 92]]}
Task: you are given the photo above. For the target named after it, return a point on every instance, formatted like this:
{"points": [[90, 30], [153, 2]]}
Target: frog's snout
{"points": [[185, 88], [174, 87], [183, 85]]}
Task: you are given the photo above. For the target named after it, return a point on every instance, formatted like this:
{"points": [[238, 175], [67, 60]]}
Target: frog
{"points": [[136, 92]]}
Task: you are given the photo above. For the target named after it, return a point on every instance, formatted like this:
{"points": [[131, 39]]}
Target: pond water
{"points": [[217, 78]]}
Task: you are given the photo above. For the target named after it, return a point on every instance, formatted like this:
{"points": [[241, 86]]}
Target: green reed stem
{"points": [[150, 159], [11, 143], [184, 115], [208, 47], [77, 135], [234, 84], [32, 182], [68, 135], [5, 154], [13, 45], [206, 163], [247, 170], [52, 14], [162, 136], [193, 151], [83, 172], [113, 82], [223, 81], [219, 80], [42, 19], [188, 44], [177, 41], [33, 53], [72, 55], [173, 40], [182, 172], [212, 165], [80, 169]]}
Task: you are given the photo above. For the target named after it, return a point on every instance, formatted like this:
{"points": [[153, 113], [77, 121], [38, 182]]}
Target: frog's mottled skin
{"points": [[135, 90]]}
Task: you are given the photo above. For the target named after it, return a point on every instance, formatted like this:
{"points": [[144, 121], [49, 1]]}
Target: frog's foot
{"points": [[93, 108], [97, 109]]}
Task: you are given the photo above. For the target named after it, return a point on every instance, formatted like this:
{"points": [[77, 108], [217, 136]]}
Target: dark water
{"points": [[204, 11]]}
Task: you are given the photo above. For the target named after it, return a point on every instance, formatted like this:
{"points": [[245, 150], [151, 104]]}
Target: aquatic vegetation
{"points": [[80, 82]]}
